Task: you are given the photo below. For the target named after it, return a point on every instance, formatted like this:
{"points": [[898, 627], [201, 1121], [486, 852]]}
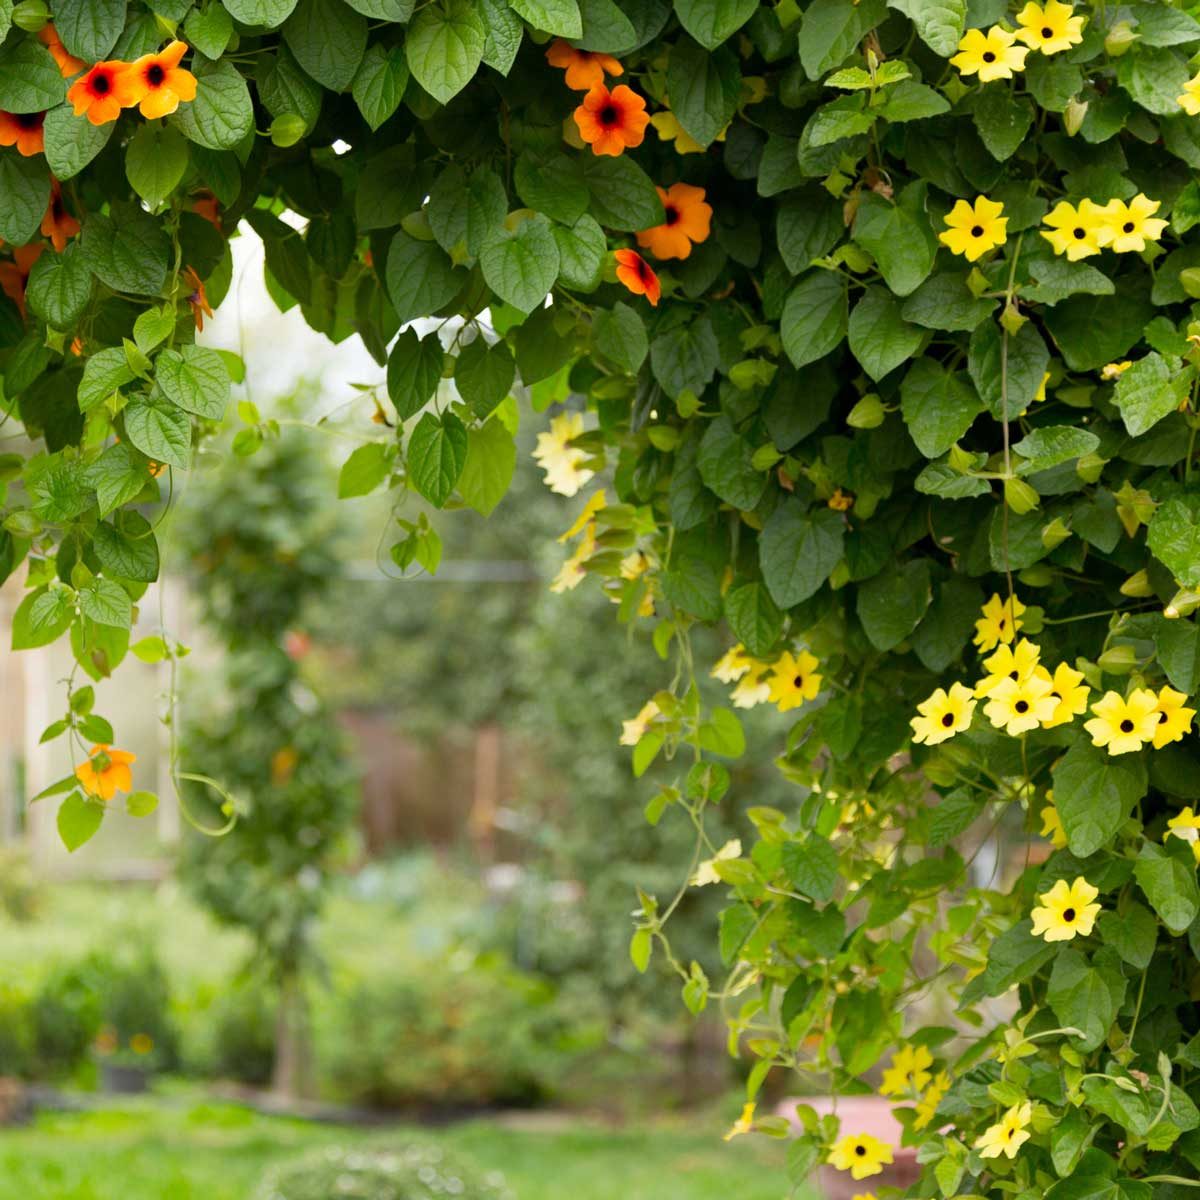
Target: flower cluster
{"points": [[155, 84], [787, 682], [994, 54]]}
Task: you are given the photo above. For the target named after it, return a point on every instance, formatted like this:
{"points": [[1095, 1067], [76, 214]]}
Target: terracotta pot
{"points": [[860, 1114]]}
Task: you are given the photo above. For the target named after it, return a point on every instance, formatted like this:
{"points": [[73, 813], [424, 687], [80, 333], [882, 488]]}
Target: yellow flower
{"points": [[634, 730], [141, 1043], [1066, 911], [1124, 725], [1076, 232], [1052, 827], [635, 564], [943, 715], [1019, 705], [1051, 28], [106, 772], [753, 689], [990, 55], [794, 680], [1040, 394], [1186, 826], [1190, 100], [590, 509], [706, 872], [1070, 693], [561, 461], [841, 501], [907, 1072], [732, 665], [860, 1154], [744, 1123], [1009, 1135], [668, 128], [1016, 662], [974, 229], [1129, 226], [1173, 719], [927, 1106], [1001, 618], [571, 573], [1114, 370]]}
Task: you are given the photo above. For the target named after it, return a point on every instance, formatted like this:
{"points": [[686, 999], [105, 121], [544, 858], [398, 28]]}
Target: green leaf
{"points": [[484, 375], [399, 11], [912, 101], [945, 302], [328, 39], [939, 23], [286, 90], [160, 430], [24, 194], [196, 379], [103, 374], [365, 469], [286, 254], [1145, 394], [1177, 643], [488, 470], [130, 552], [815, 317], [1132, 933], [898, 236], [379, 83], [726, 465], [1154, 77], [1028, 359], [42, 617], [141, 804], [940, 638], [1094, 793], [6, 13], [1012, 957], [209, 29], [503, 34], [420, 277], [685, 358], [891, 605], [812, 866], [1084, 997], [581, 252], [832, 30], [754, 618], [118, 475], [1050, 445], [1094, 330], [1174, 538], [72, 142], [1002, 121], [106, 603], [221, 114], [445, 46], [414, 371], [128, 250], [30, 80], [559, 17], [268, 13], [938, 406], [89, 28], [437, 453], [59, 287], [56, 487], [798, 551], [78, 820], [520, 267], [704, 86], [606, 29], [623, 196], [619, 334], [808, 225], [880, 338], [552, 185], [155, 161]]}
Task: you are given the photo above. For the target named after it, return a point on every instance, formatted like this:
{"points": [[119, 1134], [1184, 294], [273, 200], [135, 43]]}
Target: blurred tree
{"points": [[260, 539]]}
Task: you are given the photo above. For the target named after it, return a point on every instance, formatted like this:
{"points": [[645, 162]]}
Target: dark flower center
{"points": [[1162, 716], [672, 214], [101, 83], [1080, 233], [798, 682], [1127, 726], [1014, 675], [1047, 32], [1021, 706], [609, 116], [860, 1149], [1055, 696], [30, 120], [1128, 227], [155, 74], [948, 720], [1068, 914], [989, 57], [977, 231]]}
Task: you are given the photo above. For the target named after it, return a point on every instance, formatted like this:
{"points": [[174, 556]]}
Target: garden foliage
{"points": [[880, 312]]}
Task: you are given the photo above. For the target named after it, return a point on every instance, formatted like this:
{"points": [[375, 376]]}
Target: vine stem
{"points": [[1008, 293]]}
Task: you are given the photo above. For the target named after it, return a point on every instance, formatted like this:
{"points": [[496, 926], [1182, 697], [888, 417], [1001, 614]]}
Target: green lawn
{"points": [[147, 1151]]}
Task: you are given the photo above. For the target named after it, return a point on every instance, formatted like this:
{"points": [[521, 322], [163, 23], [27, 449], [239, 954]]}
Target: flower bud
{"points": [[1073, 116], [1118, 660], [30, 15], [287, 129], [962, 461], [1120, 38], [868, 413], [1020, 497], [1138, 584], [1183, 604]]}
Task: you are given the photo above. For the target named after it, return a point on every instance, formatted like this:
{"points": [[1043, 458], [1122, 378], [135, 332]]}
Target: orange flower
{"points": [[106, 772], [14, 275], [585, 70], [68, 64], [635, 273], [102, 92], [58, 224], [205, 205], [687, 220], [23, 130], [157, 83], [77, 346], [610, 121], [197, 298]]}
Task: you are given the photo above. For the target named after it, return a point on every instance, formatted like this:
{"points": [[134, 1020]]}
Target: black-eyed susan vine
{"points": [[864, 330]]}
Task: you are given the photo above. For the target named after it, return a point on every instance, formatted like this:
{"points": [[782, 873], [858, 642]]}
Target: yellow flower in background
{"points": [[571, 574], [1040, 394], [106, 772], [860, 1154], [794, 680], [1050, 28], [927, 1105], [1187, 827], [1174, 720], [1113, 371], [633, 730], [753, 689], [666, 125], [1001, 618], [1128, 227], [990, 55], [1066, 911], [1124, 725], [744, 1123], [706, 872], [974, 229], [561, 461], [908, 1071], [1019, 705], [732, 665], [943, 715], [590, 509], [1008, 1135], [1190, 100], [141, 1043], [1052, 827], [635, 564], [1016, 662], [1076, 232], [1070, 694]]}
